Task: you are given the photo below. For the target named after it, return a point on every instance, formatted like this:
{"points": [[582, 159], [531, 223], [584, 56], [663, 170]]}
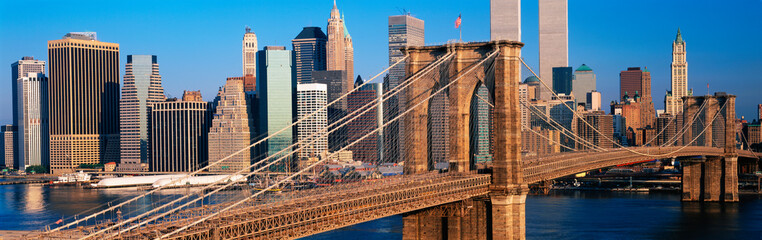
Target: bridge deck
{"points": [[554, 166], [309, 212]]}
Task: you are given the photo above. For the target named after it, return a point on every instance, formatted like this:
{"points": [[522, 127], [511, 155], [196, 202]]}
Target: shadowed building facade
{"points": [[334, 81], [84, 101], [180, 133], [142, 88], [309, 53], [562, 80], [368, 150]]}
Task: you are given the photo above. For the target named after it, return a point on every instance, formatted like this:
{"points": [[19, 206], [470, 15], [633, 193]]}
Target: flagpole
{"points": [[460, 34]]}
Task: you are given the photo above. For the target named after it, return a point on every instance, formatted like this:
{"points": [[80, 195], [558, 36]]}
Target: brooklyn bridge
{"points": [[468, 200]]}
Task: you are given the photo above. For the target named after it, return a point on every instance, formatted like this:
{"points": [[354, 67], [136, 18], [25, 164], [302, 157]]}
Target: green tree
{"points": [[92, 166], [37, 169]]}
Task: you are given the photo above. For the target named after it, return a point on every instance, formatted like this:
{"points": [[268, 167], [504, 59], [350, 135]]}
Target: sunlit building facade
{"points": [[142, 88], [84, 101], [32, 135], [276, 90]]}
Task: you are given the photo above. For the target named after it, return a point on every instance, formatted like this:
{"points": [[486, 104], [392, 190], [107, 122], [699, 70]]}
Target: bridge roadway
{"points": [[307, 212], [537, 169], [318, 210]]}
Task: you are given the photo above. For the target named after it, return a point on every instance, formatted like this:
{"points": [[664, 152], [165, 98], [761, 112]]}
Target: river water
{"points": [[560, 215]]}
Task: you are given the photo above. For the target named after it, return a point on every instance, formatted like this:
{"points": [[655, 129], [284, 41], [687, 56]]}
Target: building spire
{"points": [[335, 11], [679, 38]]}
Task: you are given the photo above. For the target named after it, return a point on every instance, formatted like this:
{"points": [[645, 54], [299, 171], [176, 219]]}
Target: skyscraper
{"points": [[142, 88], [311, 98], [276, 90], [637, 84], [349, 57], [481, 125], [404, 30], [180, 133], [673, 102], [230, 131], [439, 137], [84, 101], [593, 101], [524, 97], [249, 53], [339, 50], [584, 82], [20, 69], [563, 116], [309, 53], [335, 82], [249, 82], [32, 136], [562, 80], [505, 20], [8, 155], [601, 131], [368, 149], [554, 40]]}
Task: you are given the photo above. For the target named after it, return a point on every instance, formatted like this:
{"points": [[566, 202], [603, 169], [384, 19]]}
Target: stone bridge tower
{"points": [[501, 214], [712, 178]]}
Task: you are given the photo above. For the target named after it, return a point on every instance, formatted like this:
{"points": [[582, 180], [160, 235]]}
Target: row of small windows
{"points": [[82, 45]]}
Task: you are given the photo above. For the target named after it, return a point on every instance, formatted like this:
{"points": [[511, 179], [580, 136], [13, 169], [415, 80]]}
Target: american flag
{"points": [[457, 22]]}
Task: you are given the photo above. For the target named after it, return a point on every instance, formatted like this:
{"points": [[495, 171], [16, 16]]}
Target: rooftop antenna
{"points": [[402, 11], [248, 29]]}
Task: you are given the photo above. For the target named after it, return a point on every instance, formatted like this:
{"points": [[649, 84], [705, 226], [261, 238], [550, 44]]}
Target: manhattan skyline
{"points": [[199, 43]]}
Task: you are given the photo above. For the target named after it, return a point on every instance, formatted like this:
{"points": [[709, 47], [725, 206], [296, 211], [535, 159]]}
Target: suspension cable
{"points": [[227, 157], [558, 127], [585, 121], [396, 90], [322, 160], [526, 127]]}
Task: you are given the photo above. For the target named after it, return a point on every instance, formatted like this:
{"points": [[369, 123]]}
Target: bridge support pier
{"points": [[508, 218], [714, 179], [503, 218], [461, 220]]}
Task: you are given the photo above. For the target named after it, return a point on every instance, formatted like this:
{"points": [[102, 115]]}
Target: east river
{"points": [[560, 215]]}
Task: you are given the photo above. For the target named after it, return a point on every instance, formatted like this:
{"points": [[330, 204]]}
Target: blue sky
{"points": [[198, 42]]}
